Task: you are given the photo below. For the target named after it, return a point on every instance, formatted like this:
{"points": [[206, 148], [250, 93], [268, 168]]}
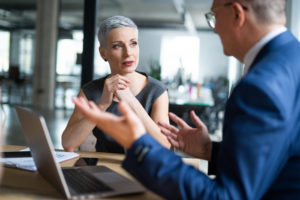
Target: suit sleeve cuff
{"points": [[212, 165], [138, 151]]}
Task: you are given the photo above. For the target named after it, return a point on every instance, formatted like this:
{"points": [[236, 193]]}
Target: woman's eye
{"points": [[116, 46], [134, 43]]}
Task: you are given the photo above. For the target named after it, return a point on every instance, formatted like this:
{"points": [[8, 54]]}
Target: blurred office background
{"points": [[48, 49]]}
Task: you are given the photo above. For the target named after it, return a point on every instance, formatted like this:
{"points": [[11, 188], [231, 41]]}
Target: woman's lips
{"points": [[128, 63]]}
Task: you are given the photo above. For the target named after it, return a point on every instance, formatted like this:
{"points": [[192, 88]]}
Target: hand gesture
{"points": [[124, 129], [111, 85], [192, 141]]}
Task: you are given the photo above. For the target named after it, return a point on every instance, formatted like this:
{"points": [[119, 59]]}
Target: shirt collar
{"points": [[252, 53]]}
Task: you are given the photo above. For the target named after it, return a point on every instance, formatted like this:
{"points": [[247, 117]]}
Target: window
{"points": [[67, 52], [26, 51], [4, 50], [101, 68], [180, 54]]}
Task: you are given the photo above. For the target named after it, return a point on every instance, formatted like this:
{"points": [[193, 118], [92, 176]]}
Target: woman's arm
{"points": [[77, 130], [160, 109]]}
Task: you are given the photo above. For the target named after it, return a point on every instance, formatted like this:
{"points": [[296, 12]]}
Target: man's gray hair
{"points": [[111, 23], [268, 11]]}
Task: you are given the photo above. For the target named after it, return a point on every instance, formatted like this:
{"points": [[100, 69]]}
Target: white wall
{"points": [[213, 62], [149, 42], [293, 16]]}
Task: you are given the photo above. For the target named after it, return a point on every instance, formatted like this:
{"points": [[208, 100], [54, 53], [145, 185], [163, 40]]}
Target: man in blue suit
{"points": [[259, 157]]}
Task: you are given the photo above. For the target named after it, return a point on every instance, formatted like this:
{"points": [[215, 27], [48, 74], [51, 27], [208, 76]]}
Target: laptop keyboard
{"points": [[82, 182]]}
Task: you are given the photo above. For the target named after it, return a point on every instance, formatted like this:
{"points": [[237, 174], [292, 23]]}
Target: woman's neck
{"points": [[130, 75]]}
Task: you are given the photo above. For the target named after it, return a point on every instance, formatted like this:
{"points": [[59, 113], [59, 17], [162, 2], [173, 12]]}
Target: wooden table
{"points": [[21, 184]]}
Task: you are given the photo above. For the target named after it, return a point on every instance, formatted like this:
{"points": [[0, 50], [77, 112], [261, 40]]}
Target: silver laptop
{"points": [[95, 181]]}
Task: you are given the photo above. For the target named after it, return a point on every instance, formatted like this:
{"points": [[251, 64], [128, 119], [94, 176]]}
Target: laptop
{"points": [[94, 181]]}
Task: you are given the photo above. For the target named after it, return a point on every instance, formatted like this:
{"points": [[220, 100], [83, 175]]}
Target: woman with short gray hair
{"points": [[111, 23], [118, 37]]}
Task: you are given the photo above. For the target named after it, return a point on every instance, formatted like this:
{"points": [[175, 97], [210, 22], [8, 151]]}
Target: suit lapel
{"points": [[274, 44]]}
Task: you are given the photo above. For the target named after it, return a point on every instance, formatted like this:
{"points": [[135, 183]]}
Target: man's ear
{"points": [[240, 14], [102, 53]]}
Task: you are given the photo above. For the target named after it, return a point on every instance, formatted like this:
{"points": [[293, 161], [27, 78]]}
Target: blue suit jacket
{"points": [[259, 157]]}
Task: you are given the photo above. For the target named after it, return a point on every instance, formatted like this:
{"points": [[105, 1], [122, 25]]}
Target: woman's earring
{"points": [[105, 60]]}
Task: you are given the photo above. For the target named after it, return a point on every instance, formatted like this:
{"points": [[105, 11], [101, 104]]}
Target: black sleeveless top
{"points": [[93, 91]]}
